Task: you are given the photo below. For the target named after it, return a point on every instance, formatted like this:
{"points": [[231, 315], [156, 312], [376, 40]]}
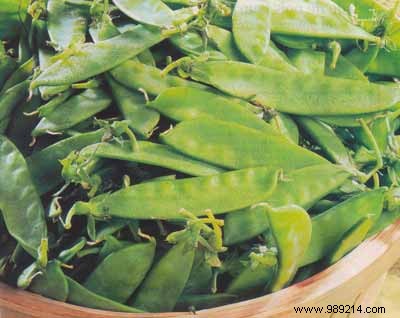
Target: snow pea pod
{"points": [[7, 66], [386, 219], [286, 126], [148, 78], [330, 226], [112, 245], [152, 154], [272, 88], [52, 283], [351, 240], [132, 105], [314, 18], [308, 61], [386, 63], [74, 111], [210, 140], [343, 69], [185, 103], [19, 202], [199, 302], [225, 42], [302, 187], [164, 199], [111, 281], [20, 75], [251, 28], [276, 59], [87, 60], [200, 278], [44, 165], [291, 229], [79, 295], [348, 121], [66, 24]]}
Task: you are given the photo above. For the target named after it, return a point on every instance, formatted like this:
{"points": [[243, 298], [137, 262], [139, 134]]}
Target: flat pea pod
{"points": [[74, 111], [186, 103], [68, 30], [172, 270], [269, 87], [291, 229], [52, 283], [210, 140], [331, 225], [286, 126], [82, 62], [386, 63], [112, 245], [276, 59], [148, 78], [44, 165], [224, 41], [344, 69], [164, 199], [308, 61], [19, 200], [303, 187], [354, 237], [153, 154], [314, 18], [79, 295], [325, 137], [111, 281], [132, 105], [20, 75], [251, 28], [205, 301]]}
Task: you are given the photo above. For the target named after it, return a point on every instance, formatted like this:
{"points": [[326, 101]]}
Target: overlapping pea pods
{"points": [[187, 188]]}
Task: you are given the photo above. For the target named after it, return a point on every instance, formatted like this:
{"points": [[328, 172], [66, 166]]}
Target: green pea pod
{"points": [[74, 111], [251, 28], [44, 165], [286, 126], [363, 59], [225, 42], [111, 281], [354, 237], [164, 284], [52, 283], [200, 278], [344, 69], [19, 202], [7, 66], [386, 63], [185, 103], [386, 219], [276, 59], [273, 88], [153, 154], [148, 78], [308, 61], [303, 187], [109, 227], [206, 139], [82, 62], [315, 18], [200, 302], [326, 138], [331, 225], [164, 199], [348, 121], [20, 75], [79, 295], [291, 229], [132, 105], [68, 30]]}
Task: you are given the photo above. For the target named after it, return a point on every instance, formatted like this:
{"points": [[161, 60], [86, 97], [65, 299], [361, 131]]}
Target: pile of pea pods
{"points": [[177, 155]]}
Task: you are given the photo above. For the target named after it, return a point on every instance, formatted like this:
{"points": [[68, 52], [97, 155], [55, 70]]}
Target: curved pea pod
{"points": [[20, 75], [226, 144], [164, 284], [326, 138], [198, 302], [330, 226], [344, 69], [185, 103], [51, 283], [68, 30], [148, 78], [386, 63], [286, 126], [154, 154], [256, 276], [269, 87], [251, 28], [225, 42], [19, 202], [164, 199], [315, 18], [354, 237], [303, 187], [111, 281], [44, 165], [276, 59], [291, 229], [132, 105], [79, 295], [74, 111], [87, 60], [308, 61]]}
